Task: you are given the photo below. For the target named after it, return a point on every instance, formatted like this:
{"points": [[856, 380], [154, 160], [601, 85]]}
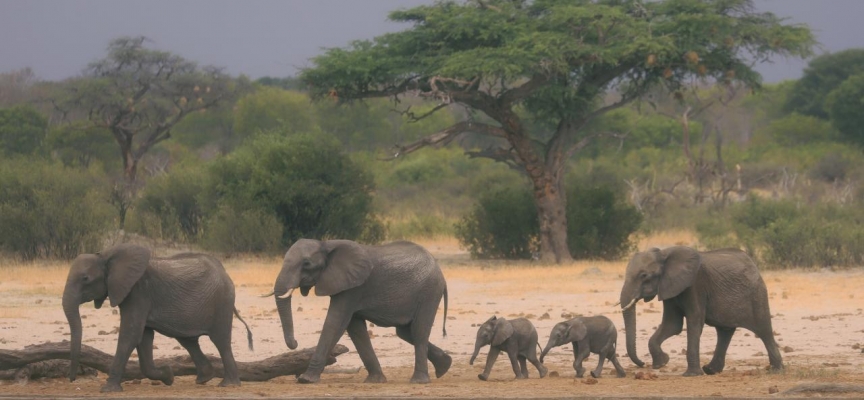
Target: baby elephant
{"points": [[517, 338], [588, 335]]}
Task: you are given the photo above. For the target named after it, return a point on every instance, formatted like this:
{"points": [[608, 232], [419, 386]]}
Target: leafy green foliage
{"points": [[22, 130], [48, 211], [306, 181], [81, 143], [845, 104], [359, 126], [173, 202], [215, 127], [824, 74], [503, 224], [270, 108], [243, 231], [602, 222], [783, 234], [797, 130]]}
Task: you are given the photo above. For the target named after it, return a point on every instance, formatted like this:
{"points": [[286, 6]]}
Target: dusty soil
{"points": [[817, 317]]}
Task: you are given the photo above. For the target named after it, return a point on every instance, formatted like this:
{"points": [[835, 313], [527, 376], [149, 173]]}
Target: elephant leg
{"points": [[360, 336], [514, 362], [599, 370], [581, 354], [490, 361], [440, 360], [523, 366], [718, 362], [766, 334], [694, 334], [145, 360], [532, 357], [671, 325], [338, 317], [203, 367], [133, 315], [613, 358], [222, 341]]}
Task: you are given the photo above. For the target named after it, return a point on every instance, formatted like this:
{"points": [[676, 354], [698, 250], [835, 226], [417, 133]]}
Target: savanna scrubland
{"points": [[690, 148]]}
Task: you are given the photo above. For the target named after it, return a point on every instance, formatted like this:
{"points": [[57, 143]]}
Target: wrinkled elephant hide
{"points": [[22, 361]]}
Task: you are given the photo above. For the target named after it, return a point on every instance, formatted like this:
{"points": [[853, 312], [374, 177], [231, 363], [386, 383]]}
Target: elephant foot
{"points": [[710, 369], [776, 369], [520, 376], [420, 377], [308, 378], [595, 374], [693, 372], [543, 371], [111, 388], [580, 372], [167, 376], [229, 383], [660, 361], [442, 364], [621, 374], [483, 377], [204, 375], [376, 378]]}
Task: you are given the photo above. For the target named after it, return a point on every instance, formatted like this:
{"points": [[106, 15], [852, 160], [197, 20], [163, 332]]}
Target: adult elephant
{"points": [[184, 297], [394, 285], [721, 288]]}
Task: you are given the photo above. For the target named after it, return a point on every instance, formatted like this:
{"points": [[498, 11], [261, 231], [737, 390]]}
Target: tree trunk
{"points": [[291, 363], [551, 210]]}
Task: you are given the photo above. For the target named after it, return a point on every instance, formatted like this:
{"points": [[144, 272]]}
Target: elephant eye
{"points": [[85, 278], [643, 275], [306, 263]]}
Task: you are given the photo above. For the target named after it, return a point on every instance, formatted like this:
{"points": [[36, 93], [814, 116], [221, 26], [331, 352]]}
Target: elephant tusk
{"points": [[616, 303], [632, 302], [286, 295], [267, 295]]}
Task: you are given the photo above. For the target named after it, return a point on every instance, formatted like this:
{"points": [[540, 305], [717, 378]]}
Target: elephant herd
{"points": [[401, 285]]}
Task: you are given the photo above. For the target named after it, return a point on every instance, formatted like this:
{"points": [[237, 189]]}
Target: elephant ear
{"points": [[680, 266], [125, 264], [503, 331], [576, 331], [348, 266]]}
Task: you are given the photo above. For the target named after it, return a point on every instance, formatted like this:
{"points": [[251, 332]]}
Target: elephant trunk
{"points": [[287, 319], [476, 351], [71, 301], [630, 329], [545, 351]]}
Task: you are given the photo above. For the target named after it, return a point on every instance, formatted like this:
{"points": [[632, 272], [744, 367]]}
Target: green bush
{"points": [[247, 231], [503, 224], [48, 211], [306, 181], [171, 202], [781, 234], [599, 222]]}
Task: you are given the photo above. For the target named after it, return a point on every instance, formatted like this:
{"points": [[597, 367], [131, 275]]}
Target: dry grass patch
{"points": [[668, 238], [525, 276], [253, 271]]}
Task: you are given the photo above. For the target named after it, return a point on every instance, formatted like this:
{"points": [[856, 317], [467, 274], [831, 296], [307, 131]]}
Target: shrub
{"points": [[599, 222], [247, 231], [503, 224], [172, 202], [48, 211], [306, 181], [781, 234]]}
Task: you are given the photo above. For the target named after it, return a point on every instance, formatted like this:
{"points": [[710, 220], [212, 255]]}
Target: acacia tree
{"points": [[140, 94], [564, 62]]}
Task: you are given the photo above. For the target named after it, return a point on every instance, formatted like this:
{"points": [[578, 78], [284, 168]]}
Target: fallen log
{"points": [[291, 363]]}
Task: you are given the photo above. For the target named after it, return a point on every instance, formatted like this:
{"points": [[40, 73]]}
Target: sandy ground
{"points": [[817, 316]]}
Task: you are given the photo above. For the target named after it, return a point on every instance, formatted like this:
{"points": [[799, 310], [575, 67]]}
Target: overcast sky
{"points": [[275, 37]]}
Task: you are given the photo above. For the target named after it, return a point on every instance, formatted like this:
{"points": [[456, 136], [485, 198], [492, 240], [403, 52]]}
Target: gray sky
{"points": [[272, 38]]}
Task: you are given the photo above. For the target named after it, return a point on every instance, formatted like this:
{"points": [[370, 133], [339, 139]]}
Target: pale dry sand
{"points": [[817, 315]]}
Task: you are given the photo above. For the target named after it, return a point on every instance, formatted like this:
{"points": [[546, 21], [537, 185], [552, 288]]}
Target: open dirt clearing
{"points": [[817, 316]]}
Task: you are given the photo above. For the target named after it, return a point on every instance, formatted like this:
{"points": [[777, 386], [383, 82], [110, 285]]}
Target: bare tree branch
{"points": [[447, 135]]}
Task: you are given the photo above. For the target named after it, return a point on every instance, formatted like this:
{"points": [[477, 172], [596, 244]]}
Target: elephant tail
{"points": [[248, 331], [445, 312]]}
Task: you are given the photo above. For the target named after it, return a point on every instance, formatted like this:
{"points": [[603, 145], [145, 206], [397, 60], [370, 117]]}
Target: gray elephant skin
{"points": [[184, 297], [588, 335], [393, 285], [517, 338], [720, 288]]}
